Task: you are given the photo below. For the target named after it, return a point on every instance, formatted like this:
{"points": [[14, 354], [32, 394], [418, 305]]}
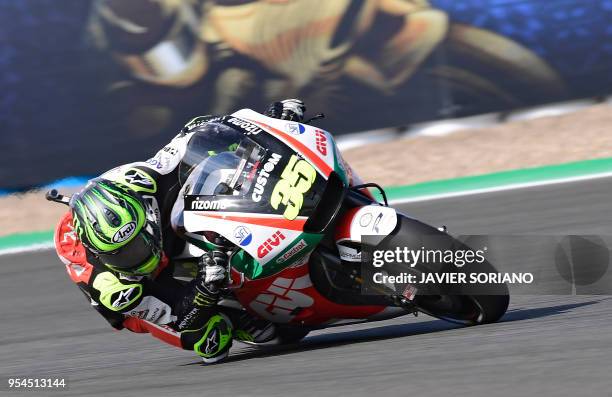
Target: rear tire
{"points": [[466, 303], [467, 310]]}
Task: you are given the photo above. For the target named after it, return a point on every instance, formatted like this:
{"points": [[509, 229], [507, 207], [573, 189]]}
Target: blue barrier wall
{"points": [[89, 84]]}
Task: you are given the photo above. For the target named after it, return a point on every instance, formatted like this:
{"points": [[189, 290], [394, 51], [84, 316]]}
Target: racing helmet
{"points": [[118, 226], [157, 41]]}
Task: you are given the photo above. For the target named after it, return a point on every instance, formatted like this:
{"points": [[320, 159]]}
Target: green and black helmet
{"points": [[118, 226]]}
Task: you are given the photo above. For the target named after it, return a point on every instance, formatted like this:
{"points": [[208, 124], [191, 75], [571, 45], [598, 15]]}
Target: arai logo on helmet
{"points": [[125, 232], [295, 128]]}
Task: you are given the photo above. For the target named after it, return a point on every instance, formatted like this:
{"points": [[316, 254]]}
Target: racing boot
{"points": [[213, 341]]}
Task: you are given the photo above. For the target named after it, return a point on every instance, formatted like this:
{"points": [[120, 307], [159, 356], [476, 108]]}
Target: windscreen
{"points": [[220, 161], [228, 169], [208, 143]]}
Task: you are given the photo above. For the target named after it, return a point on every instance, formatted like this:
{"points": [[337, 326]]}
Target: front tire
{"points": [[291, 335]]}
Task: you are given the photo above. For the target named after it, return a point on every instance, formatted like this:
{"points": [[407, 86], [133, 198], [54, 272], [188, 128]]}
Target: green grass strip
{"points": [[498, 179], [21, 240]]}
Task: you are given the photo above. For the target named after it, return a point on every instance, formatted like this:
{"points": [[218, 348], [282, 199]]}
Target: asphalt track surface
{"points": [[544, 346]]}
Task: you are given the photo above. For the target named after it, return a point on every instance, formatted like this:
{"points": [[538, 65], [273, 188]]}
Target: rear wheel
{"points": [[468, 310], [469, 304]]}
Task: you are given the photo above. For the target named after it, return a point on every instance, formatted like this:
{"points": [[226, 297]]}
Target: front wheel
{"points": [[290, 335]]}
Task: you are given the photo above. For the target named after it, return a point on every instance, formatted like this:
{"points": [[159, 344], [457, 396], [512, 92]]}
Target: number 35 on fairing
{"points": [[297, 178]]}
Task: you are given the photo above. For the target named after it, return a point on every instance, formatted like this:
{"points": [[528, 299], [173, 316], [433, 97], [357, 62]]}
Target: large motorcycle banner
{"points": [[90, 84]]}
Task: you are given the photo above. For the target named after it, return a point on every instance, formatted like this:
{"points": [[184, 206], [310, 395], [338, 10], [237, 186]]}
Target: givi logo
{"points": [[321, 140], [270, 243]]}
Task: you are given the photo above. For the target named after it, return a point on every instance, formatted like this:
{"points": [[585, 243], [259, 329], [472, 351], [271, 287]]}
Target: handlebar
{"points": [[53, 195]]}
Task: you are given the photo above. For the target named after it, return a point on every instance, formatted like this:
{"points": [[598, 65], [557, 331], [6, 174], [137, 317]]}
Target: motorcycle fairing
{"points": [[374, 221], [274, 241], [290, 297], [316, 145]]}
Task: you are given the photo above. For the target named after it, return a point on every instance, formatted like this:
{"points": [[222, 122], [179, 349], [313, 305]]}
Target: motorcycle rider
{"points": [[116, 243]]}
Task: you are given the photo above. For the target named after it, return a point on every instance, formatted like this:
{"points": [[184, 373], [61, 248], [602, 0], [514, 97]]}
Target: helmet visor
{"points": [[140, 256]]}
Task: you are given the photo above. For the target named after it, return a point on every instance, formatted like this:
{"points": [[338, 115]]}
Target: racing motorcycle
{"points": [[281, 194], [298, 231]]}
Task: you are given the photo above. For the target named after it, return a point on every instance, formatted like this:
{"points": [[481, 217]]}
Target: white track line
{"points": [[515, 186], [28, 248]]}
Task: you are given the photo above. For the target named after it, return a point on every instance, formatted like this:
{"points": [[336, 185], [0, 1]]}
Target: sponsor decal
{"points": [[155, 162], [243, 235], [295, 128], [249, 127], [152, 309], [321, 140], [200, 121], [171, 150], [349, 254], [376, 223], [284, 295], [130, 278], [212, 343], [124, 297], [270, 243], [195, 124], [163, 160], [299, 247], [79, 272], [69, 235], [409, 292], [140, 181], [263, 176], [188, 319], [194, 203], [374, 220], [253, 171], [125, 232], [142, 314], [153, 212], [297, 179], [365, 219]]}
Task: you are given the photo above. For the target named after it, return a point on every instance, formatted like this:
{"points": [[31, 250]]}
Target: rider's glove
{"points": [[213, 271], [196, 306], [289, 109]]}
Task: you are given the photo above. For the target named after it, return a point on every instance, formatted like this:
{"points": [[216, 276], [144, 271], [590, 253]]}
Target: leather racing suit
{"points": [[157, 304]]}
